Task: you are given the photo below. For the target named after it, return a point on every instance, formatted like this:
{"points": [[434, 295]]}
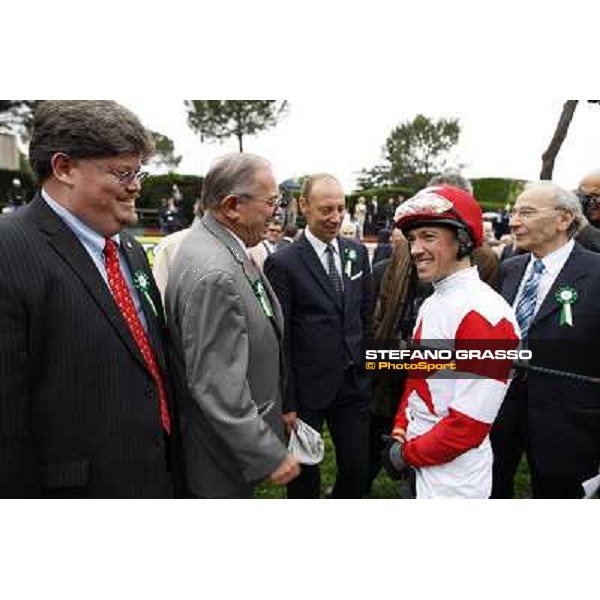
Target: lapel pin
{"points": [[141, 282], [350, 255], [565, 296]]}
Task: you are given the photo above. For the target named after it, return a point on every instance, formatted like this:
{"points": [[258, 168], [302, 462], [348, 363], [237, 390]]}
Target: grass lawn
{"points": [[383, 487]]}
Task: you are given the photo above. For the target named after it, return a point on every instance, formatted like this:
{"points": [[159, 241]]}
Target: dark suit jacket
{"points": [[323, 332], [589, 238], [564, 415], [379, 269], [79, 412]]}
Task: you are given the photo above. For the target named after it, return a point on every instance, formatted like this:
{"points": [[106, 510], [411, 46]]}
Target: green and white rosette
{"points": [[261, 294], [350, 257], [141, 282], [565, 296]]}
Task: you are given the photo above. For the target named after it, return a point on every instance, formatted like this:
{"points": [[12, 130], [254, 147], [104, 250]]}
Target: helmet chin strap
{"points": [[465, 243]]}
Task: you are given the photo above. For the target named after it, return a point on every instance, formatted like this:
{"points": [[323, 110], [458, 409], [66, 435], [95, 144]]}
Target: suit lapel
{"points": [[251, 272], [70, 249], [343, 246], [513, 280], [137, 263], [568, 275], [277, 314], [315, 267]]}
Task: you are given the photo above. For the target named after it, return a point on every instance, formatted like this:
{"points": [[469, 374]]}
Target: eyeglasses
{"points": [[124, 177], [275, 201], [527, 213], [588, 200], [128, 177]]}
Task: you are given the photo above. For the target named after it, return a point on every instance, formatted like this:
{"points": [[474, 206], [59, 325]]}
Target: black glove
{"points": [[392, 459]]}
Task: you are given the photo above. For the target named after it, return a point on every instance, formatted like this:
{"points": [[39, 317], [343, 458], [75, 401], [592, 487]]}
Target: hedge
{"points": [[494, 192]]}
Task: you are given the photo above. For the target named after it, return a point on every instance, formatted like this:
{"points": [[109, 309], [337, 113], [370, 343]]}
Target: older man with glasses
{"points": [[227, 331], [588, 193], [555, 291], [272, 236], [85, 404]]}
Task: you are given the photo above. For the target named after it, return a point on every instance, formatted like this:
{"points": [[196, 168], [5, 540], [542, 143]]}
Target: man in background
{"points": [[588, 193], [323, 282]]}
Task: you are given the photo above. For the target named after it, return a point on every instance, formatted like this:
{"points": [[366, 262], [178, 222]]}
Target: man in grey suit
{"points": [[227, 327]]}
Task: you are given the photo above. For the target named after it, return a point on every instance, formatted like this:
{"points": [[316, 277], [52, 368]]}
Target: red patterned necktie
{"points": [[122, 297]]}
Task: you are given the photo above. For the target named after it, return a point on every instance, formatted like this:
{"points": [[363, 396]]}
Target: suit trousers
{"points": [[347, 419], [509, 438]]}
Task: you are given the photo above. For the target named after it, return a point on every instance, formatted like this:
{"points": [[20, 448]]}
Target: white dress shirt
{"points": [[94, 243], [553, 263], [320, 248]]}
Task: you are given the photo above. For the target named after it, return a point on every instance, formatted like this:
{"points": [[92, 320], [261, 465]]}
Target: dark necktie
{"points": [[332, 272], [526, 305], [124, 301]]}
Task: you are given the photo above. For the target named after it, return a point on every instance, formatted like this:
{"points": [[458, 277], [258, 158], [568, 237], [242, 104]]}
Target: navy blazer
{"points": [[79, 410], [323, 330], [564, 415]]}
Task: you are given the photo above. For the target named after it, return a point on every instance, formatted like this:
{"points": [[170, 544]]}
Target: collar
{"points": [[83, 231], [319, 245], [238, 240], [554, 261], [457, 279], [234, 236]]}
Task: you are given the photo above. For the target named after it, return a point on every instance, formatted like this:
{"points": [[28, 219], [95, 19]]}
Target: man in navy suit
{"points": [[555, 291], [324, 285]]}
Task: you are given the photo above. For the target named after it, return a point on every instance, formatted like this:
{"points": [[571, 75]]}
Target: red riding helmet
{"points": [[443, 205]]}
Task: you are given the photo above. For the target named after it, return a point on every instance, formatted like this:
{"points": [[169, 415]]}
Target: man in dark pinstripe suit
{"points": [[85, 402]]}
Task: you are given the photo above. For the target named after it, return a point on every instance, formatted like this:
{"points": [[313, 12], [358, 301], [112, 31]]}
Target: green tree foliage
{"points": [[165, 152], [373, 178], [414, 152], [222, 119]]}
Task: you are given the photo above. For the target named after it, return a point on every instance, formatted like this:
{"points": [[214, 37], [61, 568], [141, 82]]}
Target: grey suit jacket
{"points": [[228, 351]]}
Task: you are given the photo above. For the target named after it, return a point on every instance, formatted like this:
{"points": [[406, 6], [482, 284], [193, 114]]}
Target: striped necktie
{"points": [[526, 305]]}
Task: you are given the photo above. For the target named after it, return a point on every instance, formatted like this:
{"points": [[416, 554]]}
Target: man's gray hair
{"points": [[451, 177], [565, 200], [231, 175]]}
